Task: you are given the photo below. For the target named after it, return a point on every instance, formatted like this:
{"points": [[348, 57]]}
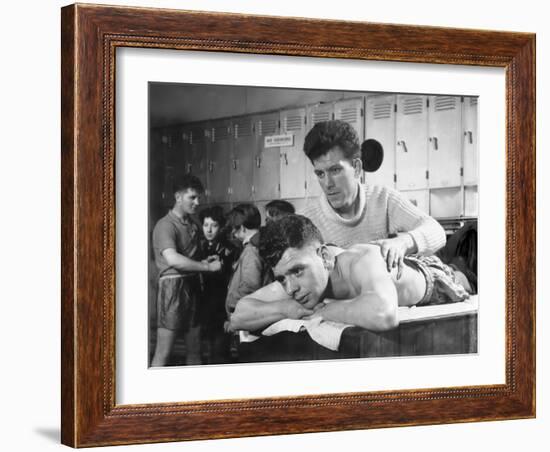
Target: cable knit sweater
{"points": [[382, 211]]}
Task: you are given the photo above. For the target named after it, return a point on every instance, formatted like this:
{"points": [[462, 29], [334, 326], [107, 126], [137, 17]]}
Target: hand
{"points": [[394, 250], [214, 266], [294, 310], [213, 258]]}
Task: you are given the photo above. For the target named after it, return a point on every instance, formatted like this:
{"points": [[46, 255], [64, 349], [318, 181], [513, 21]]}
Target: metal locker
{"points": [[198, 143], [380, 125], [219, 152], [352, 111], [292, 157], [444, 140], [168, 150], [446, 202], [411, 130], [266, 164], [316, 113], [419, 198], [470, 140], [241, 179]]}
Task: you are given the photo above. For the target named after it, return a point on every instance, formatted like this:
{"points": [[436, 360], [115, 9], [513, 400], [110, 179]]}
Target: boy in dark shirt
{"points": [[212, 315]]}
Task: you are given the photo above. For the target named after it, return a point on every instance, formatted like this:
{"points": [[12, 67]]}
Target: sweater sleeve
{"points": [[403, 216]]}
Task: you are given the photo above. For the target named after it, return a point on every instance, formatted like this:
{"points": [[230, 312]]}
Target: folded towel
{"points": [[325, 333]]}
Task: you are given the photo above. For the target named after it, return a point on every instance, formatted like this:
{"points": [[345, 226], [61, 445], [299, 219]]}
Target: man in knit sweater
{"points": [[350, 213]]}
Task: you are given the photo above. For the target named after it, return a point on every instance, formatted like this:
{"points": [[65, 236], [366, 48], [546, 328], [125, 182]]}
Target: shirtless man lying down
{"points": [[350, 286]]}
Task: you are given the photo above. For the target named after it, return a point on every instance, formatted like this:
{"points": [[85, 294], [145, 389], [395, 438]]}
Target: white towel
{"points": [[325, 333]]}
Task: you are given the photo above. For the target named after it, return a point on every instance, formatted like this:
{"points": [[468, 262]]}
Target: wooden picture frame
{"points": [[90, 36]]}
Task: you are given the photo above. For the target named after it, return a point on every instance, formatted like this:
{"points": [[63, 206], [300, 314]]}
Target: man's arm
{"points": [[265, 307], [183, 263], [375, 308], [427, 234], [418, 233]]}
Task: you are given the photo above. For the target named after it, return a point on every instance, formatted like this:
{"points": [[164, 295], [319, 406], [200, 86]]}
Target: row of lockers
{"points": [[429, 142]]}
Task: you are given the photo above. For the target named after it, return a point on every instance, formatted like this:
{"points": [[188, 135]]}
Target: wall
{"points": [[29, 172]]}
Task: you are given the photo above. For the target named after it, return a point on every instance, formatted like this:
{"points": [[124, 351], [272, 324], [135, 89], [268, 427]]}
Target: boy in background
{"points": [[249, 274], [212, 315]]}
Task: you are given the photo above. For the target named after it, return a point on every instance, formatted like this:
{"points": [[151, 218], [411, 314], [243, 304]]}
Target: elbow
{"points": [[388, 320], [385, 320]]}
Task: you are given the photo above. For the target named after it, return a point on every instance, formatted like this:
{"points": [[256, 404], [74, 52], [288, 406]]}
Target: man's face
{"points": [[338, 178], [188, 200], [210, 228], [302, 274]]}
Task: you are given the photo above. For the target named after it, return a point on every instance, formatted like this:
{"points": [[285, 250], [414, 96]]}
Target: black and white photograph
{"points": [[303, 224]]}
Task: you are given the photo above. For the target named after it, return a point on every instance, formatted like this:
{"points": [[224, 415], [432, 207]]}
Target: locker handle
{"points": [[211, 166], [235, 164], [402, 143], [258, 162], [470, 136], [435, 142], [189, 167], [286, 159]]}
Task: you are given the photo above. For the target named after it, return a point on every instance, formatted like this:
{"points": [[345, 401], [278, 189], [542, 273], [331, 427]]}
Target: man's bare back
{"points": [[411, 286]]}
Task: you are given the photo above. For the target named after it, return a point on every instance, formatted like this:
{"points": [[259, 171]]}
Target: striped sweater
{"points": [[382, 211]]}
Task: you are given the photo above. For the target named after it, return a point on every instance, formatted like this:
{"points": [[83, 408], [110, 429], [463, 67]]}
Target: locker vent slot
{"points": [[243, 128], [267, 126], [319, 116], [197, 135], [293, 123], [413, 106], [473, 101], [445, 103], [382, 111], [349, 114], [221, 133]]}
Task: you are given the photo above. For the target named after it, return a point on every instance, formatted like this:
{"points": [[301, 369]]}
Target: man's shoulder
{"points": [[163, 223], [312, 207]]}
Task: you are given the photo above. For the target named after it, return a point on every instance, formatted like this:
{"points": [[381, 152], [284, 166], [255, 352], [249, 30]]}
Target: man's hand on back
{"points": [[394, 250]]}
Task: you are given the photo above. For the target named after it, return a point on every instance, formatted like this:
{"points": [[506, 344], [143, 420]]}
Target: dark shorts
{"points": [[177, 299], [442, 285]]}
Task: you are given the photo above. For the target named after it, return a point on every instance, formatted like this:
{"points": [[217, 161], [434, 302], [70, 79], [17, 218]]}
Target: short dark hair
{"points": [[278, 207], [326, 135], [289, 231], [186, 182], [214, 212], [246, 215]]}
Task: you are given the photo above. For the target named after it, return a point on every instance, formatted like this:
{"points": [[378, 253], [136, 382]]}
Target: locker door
{"points": [[352, 111], [169, 165], [218, 162], [444, 157], [316, 113], [156, 174], [380, 125], [266, 160], [242, 158], [470, 140], [185, 149], [411, 130], [198, 141], [292, 158]]}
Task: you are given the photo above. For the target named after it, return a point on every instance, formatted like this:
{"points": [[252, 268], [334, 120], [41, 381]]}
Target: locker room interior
{"points": [[218, 133]]}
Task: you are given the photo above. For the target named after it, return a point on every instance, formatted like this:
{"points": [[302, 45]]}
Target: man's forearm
{"points": [[186, 264], [253, 315], [428, 237]]}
